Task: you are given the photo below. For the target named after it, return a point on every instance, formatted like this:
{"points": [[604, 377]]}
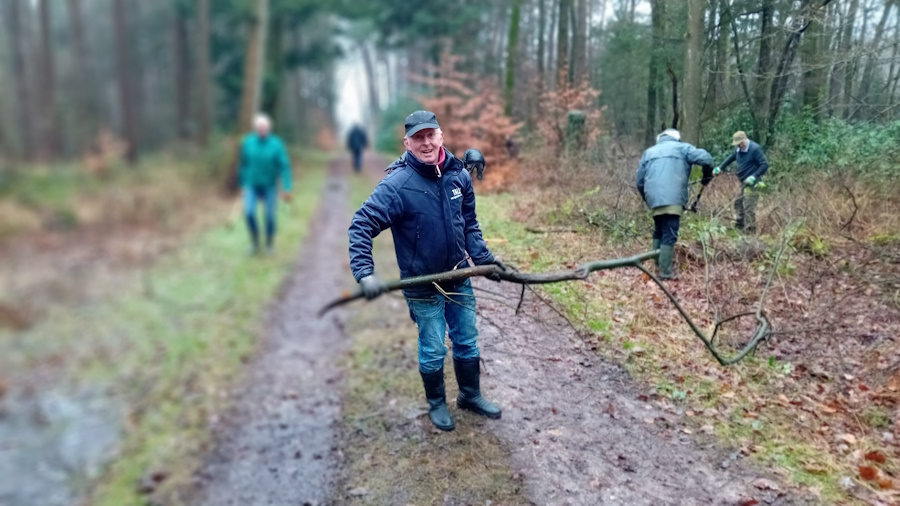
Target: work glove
{"points": [[707, 175], [750, 181], [372, 286], [495, 276], [716, 171]]}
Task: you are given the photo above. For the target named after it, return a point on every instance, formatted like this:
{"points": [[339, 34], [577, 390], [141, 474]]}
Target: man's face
{"points": [[262, 128], [425, 145], [743, 145]]}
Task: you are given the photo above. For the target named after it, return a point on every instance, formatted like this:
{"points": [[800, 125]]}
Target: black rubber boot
{"points": [[656, 243], [468, 374], [437, 399]]}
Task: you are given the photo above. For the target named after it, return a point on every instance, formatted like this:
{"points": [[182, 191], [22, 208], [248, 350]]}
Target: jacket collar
{"points": [[666, 138], [428, 170]]}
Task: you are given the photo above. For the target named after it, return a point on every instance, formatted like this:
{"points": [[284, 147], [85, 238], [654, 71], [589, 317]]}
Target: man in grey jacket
{"points": [[663, 178], [751, 165]]}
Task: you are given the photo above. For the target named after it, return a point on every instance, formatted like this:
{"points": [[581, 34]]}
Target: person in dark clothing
{"points": [[357, 141], [428, 202], [663, 178], [264, 164], [751, 165]]}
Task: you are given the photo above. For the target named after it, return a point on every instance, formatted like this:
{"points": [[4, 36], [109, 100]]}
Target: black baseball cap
{"points": [[420, 120]]}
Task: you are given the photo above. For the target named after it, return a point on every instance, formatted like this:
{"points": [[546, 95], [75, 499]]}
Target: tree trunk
{"points": [[18, 46], [542, 23], [840, 93], [182, 71], [779, 83], [562, 41], [372, 86], [254, 64], [88, 106], [512, 51], [811, 50], [656, 59], [763, 69], [872, 60], [204, 74], [551, 49], [47, 119], [579, 42], [127, 90], [693, 90], [720, 77]]}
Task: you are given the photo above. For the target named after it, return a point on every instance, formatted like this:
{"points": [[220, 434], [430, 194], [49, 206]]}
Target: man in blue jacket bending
{"points": [[428, 202], [663, 179]]}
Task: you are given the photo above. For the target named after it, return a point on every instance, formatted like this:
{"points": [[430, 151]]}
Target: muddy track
{"points": [[582, 432], [277, 445]]}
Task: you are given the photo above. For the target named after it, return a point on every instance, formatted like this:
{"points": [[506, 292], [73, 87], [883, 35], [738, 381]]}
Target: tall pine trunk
{"points": [[204, 74], [88, 106], [763, 69], [182, 71], [18, 46], [693, 90], [655, 67], [872, 60], [254, 64], [512, 52], [126, 78], [579, 42], [541, 48], [47, 113], [562, 41]]}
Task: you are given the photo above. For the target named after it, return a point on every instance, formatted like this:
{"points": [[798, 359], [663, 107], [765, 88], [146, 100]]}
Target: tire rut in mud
{"points": [[278, 443]]}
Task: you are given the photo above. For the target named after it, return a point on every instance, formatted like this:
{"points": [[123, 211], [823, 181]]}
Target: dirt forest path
{"points": [[576, 429], [582, 432], [277, 445]]}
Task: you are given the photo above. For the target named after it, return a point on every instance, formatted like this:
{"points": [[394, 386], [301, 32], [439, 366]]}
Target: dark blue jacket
{"points": [[431, 216], [751, 163]]}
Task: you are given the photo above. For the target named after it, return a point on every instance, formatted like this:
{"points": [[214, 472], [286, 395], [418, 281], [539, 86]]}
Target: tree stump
{"points": [[576, 132]]}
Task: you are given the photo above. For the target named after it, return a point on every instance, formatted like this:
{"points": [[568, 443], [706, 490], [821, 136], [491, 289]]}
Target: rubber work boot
{"points": [[437, 399], [656, 247], [666, 257], [468, 375]]}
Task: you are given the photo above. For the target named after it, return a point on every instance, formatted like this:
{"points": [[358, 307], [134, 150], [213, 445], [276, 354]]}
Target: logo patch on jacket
{"points": [[457, 193]]}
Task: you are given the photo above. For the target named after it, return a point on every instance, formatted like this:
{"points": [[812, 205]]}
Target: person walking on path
{"points": [[264, 164], [357, 141], [428, 202], [663, 178], [752, 164]]}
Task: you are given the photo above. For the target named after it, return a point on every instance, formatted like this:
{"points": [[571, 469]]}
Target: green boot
{"points": [[437, 399], [468, 374], [666, 256], [656, 247]]}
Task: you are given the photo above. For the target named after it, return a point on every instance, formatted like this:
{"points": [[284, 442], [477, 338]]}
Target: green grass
{"points": [[172, 345]]}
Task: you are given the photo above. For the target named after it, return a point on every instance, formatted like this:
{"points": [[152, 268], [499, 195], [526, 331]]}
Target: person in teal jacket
{"points": [[264, 164]]}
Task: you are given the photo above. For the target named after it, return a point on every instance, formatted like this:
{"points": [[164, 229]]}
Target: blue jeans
{"points": [[434, 315], [269, 196]]}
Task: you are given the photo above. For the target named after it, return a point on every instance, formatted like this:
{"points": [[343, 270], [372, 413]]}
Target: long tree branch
{"points": [[579, 273]]}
